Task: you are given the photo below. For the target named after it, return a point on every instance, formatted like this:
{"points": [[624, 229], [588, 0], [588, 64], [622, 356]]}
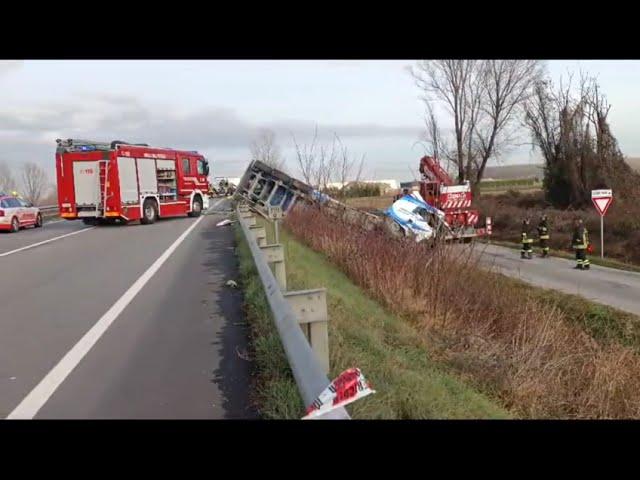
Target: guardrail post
{"points": [[260, 233], [310, 308], [248, 217], [274, 255]]}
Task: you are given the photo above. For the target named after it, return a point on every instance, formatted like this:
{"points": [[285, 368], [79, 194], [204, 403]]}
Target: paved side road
{"points": [[174, 351], [618, 288]]}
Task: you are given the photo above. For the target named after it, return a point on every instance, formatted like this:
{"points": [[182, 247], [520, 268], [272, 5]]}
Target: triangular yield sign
{"points": [[602, 204]]}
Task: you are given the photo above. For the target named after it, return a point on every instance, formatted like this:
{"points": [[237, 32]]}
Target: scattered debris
{"points": [[12, 378], [224, 222], [348, 387], [231, 283], [243, 355]]}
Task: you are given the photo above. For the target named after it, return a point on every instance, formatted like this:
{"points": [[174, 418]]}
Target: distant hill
{"points": [[531, 170], [508, 172], [634, 162]]}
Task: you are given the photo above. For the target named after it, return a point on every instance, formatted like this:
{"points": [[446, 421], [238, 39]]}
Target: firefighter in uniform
{"points": [[543, 235], [580, 244], [526, 239]]}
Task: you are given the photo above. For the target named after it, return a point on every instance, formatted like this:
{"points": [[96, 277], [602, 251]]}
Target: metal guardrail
{"points": [[49, 210], [293, 311]]}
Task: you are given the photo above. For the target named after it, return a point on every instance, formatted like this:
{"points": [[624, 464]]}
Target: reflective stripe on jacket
{"points": [[580, 238], [543, 231]]}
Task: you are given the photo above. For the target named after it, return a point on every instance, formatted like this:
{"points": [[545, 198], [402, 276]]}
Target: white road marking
{"points": [[33, 402], [45, 241], [55, 221]]}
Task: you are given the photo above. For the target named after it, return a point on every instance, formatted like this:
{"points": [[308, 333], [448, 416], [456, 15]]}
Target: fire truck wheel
{"points": [[38, 221], [197, 207], [15, 225], [149, 212]]}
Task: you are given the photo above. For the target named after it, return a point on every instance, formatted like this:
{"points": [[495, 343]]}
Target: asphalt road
{"points": [[30, 235], [175, 334], [618, 288]]}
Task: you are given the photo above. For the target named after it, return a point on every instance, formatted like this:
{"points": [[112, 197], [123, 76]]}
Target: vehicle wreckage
{"points": [[267, 190]]}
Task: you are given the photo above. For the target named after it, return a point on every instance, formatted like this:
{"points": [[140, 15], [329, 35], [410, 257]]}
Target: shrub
{"points": [[356, 190]]}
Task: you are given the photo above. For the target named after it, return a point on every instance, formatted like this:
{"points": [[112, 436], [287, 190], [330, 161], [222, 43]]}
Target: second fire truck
{"points": [[116, 181], [439, 190]]}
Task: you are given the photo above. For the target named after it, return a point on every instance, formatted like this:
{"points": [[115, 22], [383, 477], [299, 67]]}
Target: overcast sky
{"points": [[216, 107]]}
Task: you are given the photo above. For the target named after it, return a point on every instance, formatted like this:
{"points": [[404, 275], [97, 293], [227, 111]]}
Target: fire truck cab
{"points": [[117, 181]]}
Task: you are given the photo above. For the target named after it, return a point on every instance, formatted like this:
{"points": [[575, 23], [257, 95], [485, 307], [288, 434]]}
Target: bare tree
{"points": [[436, 146], [306, 156], [7, 182], [570, 127], [507, 85], [320, 164], [265, 149], [450, 82], [324, 166], [317, 162], [34, 182], [345, 167], [483, 98]]}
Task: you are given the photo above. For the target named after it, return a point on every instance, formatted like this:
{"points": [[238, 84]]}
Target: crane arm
{"points": [[431, 169]]}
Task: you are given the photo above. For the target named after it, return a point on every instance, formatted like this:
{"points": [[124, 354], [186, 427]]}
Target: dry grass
{"points": [[370, 203], [508, 343], [508, 172], [409, 385]]}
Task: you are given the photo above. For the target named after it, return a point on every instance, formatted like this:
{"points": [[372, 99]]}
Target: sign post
{"points": [[602, 200], [275, 213], [601, 236]]}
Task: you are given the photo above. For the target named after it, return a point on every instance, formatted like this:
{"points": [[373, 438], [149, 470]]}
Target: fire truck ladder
{"points": [[103, 169]]}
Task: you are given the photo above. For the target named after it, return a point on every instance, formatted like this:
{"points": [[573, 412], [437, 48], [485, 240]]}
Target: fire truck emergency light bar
{"points": [[75, 145]]}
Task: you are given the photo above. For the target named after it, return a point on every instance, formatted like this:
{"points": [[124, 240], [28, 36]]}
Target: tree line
{"points": [[32, 182]]}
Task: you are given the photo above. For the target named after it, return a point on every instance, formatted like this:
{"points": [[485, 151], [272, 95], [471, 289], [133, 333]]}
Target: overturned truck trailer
{"points": [[264, 188]]}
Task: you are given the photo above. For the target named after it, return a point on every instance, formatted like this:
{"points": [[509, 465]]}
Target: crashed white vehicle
{"points": [[416, 217], [409, 215]]}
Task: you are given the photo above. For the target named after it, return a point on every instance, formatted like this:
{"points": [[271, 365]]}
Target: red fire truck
{"points": [[117, 181], [438, 189]]}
